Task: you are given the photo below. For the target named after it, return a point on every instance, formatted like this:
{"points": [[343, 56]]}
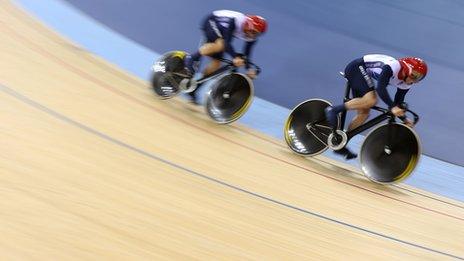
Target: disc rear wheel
{"points": [[306, 130]]}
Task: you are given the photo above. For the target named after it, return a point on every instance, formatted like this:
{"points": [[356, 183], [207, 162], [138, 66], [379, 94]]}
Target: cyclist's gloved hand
{"points": [[397, 111], [251, 73], [408, 122], [238, 61]]}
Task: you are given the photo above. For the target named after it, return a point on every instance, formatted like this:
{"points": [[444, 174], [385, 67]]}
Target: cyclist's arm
{"points": [[399, 96], [382, 83], [247, 51]]}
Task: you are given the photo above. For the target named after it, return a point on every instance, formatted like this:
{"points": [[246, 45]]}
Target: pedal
{"points": [[337, 140]]}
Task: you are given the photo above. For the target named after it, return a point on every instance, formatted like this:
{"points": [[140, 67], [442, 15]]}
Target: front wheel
{"points": [[306, 130], [390, 153], [229, 98]]}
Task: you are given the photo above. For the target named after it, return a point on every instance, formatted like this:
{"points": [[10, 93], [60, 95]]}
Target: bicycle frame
{"points": [[167, 84], [228, 67], [217, 73]]}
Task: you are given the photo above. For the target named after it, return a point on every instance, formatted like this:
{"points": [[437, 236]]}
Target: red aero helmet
{"points": [[255, 23], [417, 68]]}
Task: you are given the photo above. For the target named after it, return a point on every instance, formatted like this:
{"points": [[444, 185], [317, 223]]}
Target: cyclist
{"points": [[219, 29], [368, 77]]}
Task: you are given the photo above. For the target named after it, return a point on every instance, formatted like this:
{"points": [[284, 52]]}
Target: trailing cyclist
{"points": [[219, 29]]}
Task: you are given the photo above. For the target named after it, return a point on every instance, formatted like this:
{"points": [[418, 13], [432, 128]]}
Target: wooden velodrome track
{"points": [[93, 166]]}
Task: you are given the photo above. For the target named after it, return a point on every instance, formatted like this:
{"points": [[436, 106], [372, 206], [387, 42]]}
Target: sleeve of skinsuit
{"points": [[382, 83], [399, 96], [228, 37], [247, 51]]}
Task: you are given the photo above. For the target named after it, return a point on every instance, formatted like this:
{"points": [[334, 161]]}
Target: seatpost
{"points": [[347, 92]]}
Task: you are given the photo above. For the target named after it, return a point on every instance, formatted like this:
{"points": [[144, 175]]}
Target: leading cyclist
{"points": [[369, 76]]}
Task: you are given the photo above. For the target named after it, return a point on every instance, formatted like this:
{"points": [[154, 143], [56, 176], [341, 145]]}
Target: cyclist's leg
{"points": [[364, 98], [366, 101], [213, 66], [362, 87], [359, 119], [362, 105], [346, 152], [214, 43], [212, 48]]}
